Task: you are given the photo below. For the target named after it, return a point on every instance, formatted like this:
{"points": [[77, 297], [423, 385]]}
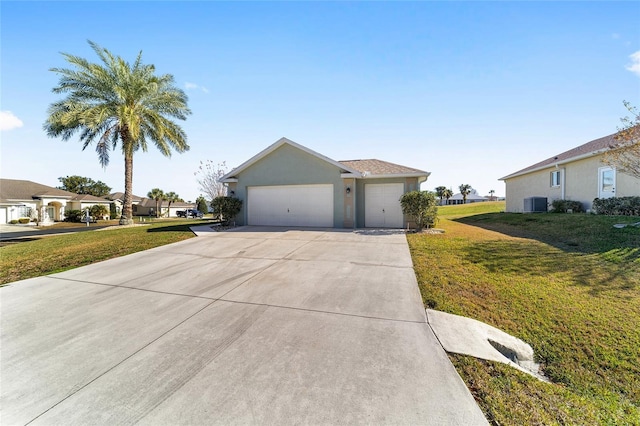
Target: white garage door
{"points": [[382, 205], [3, 215], [291, 205]]}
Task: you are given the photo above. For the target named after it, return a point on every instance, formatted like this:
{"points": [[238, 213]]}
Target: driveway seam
{"points": [[120, 362], [222, 299], [322, 312]]}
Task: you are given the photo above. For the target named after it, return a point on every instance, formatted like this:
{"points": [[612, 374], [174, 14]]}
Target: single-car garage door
{"points": [[382, 205], [290, 205]]}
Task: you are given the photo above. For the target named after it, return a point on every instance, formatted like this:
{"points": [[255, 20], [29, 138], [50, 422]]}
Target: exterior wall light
{"points": [[348, 189]]}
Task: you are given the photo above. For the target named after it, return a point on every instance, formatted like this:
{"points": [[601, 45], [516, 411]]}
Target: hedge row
{"points": [[627, 206]]}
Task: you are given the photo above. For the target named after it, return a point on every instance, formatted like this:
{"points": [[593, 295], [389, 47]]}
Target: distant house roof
{"points": [[14, 189], [150, 202], [86, 198], [379, 168], [470, 197], [597, 146], [120, 196]]}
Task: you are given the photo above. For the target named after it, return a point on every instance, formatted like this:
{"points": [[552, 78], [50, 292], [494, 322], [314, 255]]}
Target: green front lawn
{"points": [[57, 253], [569, 285]]}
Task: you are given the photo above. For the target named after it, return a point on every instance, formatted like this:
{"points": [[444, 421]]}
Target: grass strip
{"points": [[58, 253], [569, 285]]}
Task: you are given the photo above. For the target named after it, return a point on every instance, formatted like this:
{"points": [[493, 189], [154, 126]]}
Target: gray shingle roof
{"points": [[89, 199], [596, 146], [374, 167], [14, 189], [120, 196]]}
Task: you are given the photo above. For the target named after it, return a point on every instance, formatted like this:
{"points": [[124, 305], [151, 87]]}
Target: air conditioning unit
{"points": [[535, 205]]}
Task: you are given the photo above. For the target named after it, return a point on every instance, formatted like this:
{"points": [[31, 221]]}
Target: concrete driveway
{"points": [[251, 326]]}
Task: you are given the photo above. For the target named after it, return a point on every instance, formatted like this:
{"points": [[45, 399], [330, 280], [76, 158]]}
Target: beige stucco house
{"points": [[288, 184], [578, 175], [46, 204]]}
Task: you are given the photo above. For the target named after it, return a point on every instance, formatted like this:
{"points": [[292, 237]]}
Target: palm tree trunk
{"points": [[127, 209]]}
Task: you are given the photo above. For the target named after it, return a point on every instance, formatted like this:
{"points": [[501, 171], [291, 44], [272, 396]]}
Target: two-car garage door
{"points": [[291, 205]]}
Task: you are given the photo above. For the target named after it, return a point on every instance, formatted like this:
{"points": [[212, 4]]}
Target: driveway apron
{"points": [[250, 326]]}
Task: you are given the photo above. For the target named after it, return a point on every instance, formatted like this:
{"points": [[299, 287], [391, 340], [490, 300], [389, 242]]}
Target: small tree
{"points": [[158, 195], [440, 192], [465, 189], [624, 153], [172, 197], [98, 211], [421, 206], [201, 204], [113, 210], [73, 215], [448, 193], [225, 208], [208, 177], [491, 192]]}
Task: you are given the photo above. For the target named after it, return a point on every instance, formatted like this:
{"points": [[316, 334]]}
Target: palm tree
{"points": [[491, 192], [158, 195], [465, 189], [117, 101], [448, 193], [171, 197], [440, 192]]}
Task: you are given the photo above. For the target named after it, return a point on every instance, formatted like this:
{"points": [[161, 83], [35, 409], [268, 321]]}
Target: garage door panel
{"points": [[291, 205], [382, 205]]}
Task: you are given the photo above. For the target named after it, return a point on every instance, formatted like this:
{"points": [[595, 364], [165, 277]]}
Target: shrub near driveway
{"points": [[567, 284]]}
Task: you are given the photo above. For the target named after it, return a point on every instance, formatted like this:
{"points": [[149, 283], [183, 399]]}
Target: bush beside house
{"points": [[626, 206]]}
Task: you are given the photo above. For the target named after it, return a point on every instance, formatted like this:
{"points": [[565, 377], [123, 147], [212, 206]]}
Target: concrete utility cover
{"points": [[467, 336], [254, 326]]}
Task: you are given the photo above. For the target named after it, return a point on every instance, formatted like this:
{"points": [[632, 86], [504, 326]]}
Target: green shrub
{"points": [[98, 211], [615, 206], [225, 208], [421, 206], [13, 221], [73, 216], [24, 220], [562, 206]]}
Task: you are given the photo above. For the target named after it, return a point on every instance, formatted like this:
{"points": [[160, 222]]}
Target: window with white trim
{"points": [[24, 211], [555, 178]]}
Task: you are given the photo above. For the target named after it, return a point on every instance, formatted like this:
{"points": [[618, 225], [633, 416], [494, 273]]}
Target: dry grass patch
{"points": [[578, 305]]}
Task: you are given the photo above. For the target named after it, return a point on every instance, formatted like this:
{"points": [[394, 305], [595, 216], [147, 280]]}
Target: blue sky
{"points": [[470, 91]]}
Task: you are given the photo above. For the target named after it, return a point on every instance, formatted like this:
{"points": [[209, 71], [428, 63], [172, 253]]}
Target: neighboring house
{"points": [[472, 197], [23, 198], [288, 184], [578, 175], [118, 201], [86, 201], [147, 207], [143, 206]]}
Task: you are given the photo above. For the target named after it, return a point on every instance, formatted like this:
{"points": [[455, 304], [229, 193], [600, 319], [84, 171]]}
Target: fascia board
{"points": [[397, 175], [552, 165]]}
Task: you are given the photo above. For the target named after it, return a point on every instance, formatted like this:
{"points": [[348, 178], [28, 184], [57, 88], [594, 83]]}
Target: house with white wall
{"points": [[27, 199]]}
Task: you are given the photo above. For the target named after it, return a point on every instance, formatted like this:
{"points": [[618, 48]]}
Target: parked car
{"points": [[190, 213]]}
